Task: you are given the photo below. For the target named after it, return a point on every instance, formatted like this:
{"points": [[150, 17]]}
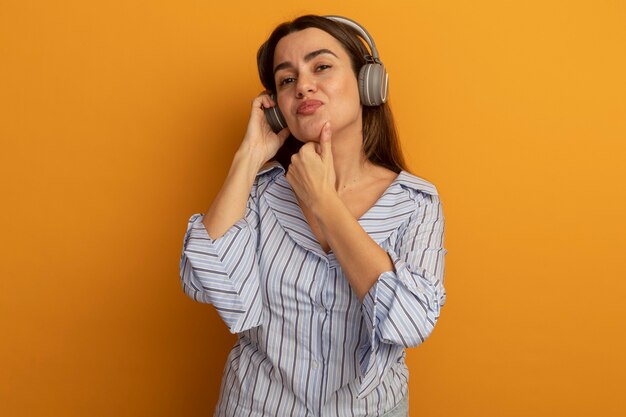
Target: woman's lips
{"points": [[308, 107]]}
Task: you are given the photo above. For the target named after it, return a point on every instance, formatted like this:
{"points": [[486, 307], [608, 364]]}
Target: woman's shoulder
{"points": [[269, 167], [415, 183], [269, 174], [405, 179]]}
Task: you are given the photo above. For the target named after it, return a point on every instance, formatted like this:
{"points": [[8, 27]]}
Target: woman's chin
{"points": [[309, 133]]}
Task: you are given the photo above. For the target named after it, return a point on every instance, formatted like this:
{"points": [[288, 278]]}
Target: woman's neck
{"points": [[349, 159]]}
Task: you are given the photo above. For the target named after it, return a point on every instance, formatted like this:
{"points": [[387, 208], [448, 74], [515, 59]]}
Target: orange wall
{"points": [[118, 120]]}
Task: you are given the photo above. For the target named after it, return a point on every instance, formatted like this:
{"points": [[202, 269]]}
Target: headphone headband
{"points": [[362, 31]]}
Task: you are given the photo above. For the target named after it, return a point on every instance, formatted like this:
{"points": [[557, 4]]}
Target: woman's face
{"points": [[315, 83]]}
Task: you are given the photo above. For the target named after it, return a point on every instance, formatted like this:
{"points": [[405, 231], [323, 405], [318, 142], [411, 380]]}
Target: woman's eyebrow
{"points": [[307, 58]]}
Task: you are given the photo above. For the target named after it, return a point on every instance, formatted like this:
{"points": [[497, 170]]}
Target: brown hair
{"points": [[380, 139]]}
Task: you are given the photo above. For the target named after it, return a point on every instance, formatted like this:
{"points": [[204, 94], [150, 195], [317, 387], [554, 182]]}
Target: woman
{"points": [[326, 268]]}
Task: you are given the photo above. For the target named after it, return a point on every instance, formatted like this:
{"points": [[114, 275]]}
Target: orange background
{"points": [[118, 121]]}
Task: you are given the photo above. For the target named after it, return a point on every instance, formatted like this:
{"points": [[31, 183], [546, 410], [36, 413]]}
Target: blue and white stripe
{"points": [[306, 345]]}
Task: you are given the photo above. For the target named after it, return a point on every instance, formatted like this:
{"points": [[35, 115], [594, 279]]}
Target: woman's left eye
{"points": [[322, 67]]}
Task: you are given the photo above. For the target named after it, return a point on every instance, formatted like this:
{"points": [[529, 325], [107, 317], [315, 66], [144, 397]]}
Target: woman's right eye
{"points": [[286, 80]]}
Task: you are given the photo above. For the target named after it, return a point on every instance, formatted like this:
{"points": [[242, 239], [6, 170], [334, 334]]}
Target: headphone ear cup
{"points": [[275, 118], [373, 84]]}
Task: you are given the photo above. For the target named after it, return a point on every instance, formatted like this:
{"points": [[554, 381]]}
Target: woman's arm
{"points": [[361, 259], [312, 177], [218, 264], [258, 146], [401, 289]]}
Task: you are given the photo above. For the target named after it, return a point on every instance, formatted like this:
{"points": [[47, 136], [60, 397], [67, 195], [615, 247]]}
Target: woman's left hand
{"points": [[312, 172]]}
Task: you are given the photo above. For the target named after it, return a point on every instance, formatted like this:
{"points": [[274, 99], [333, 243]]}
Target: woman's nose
{"points": [[306, 85]]}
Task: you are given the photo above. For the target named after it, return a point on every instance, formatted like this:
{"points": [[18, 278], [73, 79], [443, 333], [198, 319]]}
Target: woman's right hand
{"points": [[258, 146], [260, 141]]}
